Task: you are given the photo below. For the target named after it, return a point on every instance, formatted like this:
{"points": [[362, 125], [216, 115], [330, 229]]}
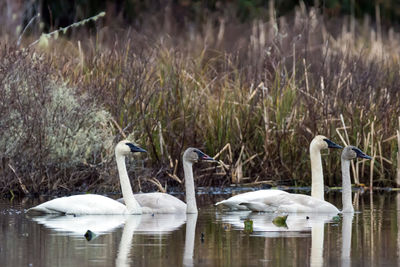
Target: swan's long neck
{"points": [[131, 204], [346, 187], [189, 187], [317, 177]]}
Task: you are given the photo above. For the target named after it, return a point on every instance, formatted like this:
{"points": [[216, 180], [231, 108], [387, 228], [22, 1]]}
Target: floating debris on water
{"points": [[248, 226], [89, 235], [280, 221]]}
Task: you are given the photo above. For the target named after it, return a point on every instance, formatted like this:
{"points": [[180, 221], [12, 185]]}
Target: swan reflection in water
{"points": [[297, 225], [145, 224], [346, 238], [78, 225], [101, 224]]}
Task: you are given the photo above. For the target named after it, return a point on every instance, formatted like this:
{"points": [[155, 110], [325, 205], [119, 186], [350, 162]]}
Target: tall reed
{"points": [[259, 91]]}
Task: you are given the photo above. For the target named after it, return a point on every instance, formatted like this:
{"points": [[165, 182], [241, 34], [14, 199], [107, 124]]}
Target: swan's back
{"points": [[307, 204], [291, 203], [81, 204], [160, 203], [274, 200], [234, 203]]}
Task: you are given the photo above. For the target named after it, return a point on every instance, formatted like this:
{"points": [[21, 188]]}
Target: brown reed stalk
{"points": [[398, 156], [373, 154], [23, 187]]}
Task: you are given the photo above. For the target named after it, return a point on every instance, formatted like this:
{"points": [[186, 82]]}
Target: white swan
{"points": [[97, 204], [164, 203], [278, 200]]}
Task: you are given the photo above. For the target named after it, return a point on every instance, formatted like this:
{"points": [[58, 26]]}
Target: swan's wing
{"points": [[81, 204], [268, 202], [160, 203], [290, 203], [258, 206], [260, 197], [298, 203]]}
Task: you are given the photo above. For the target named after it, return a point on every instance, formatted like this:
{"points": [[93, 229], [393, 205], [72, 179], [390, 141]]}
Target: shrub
{"points": [[51, 136]]}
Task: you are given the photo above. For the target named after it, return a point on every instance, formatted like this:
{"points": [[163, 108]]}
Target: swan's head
{"points": [[126, 147], [195, 155], [322, 142], [352, 152]]}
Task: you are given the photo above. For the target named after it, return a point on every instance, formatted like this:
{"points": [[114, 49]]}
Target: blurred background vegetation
{"points": [[251, 82], [63, 13]]}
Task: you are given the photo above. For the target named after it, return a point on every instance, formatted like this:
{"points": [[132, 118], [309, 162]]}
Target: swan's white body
{"points": [[82, 204], [97, 204], [234, 203], [165, 203], [160, 203], [281, 201]]}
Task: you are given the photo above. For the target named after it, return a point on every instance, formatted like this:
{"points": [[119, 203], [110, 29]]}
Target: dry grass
{"points": [[262, 88]]}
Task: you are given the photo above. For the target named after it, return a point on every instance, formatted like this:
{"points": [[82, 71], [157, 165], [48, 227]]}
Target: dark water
{"points": [[370, 237]]}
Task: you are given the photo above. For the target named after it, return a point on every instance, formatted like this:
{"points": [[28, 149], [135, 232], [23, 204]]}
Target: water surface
{"points": [[214, 237]]}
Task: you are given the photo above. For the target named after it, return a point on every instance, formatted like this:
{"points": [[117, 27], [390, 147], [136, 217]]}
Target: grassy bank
{"points": [[254, 93]]}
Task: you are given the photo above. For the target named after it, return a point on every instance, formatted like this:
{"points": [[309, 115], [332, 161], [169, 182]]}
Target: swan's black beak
{"points": [[332, 144], [208, 158], [361, 154], [135, 148], [204, 157]]}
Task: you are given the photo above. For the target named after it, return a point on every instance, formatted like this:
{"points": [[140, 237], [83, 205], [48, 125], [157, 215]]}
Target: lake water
{"points": [[370, 237]]}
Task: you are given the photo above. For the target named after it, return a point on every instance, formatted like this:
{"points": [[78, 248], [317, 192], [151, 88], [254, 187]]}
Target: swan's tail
{"points": [[219, 203]]}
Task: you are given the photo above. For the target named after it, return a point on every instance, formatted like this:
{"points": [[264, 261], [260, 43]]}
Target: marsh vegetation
{"points": [[253, 92]]}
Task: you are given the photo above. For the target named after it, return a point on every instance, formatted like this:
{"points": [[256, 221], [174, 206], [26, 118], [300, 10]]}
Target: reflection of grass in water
{"points": [[280, 221], [248, 226]]}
